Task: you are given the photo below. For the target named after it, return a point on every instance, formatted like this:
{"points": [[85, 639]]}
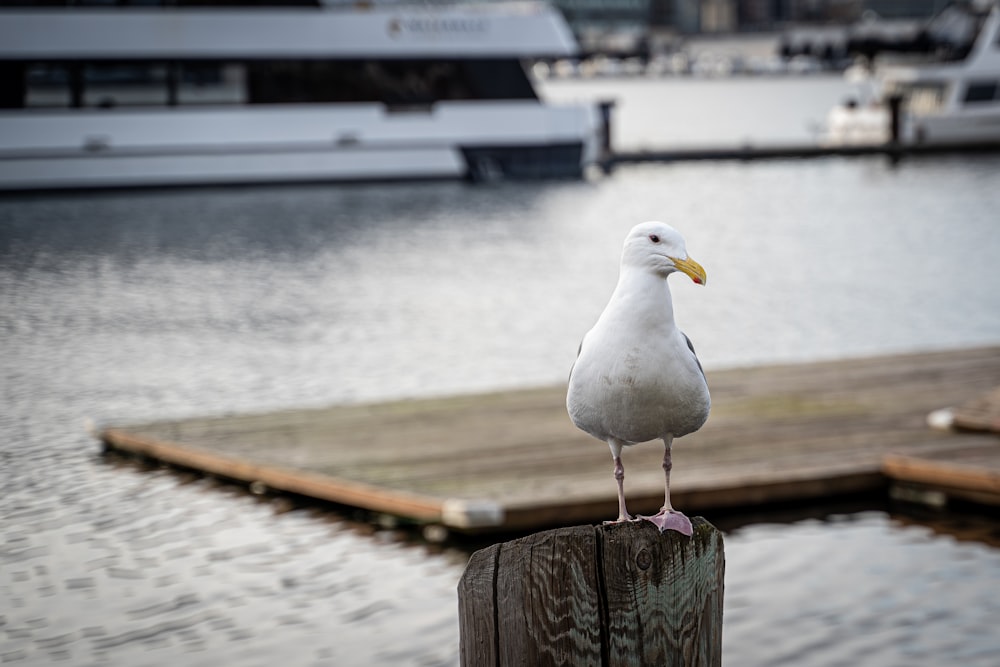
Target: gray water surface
{"points": [[150, 305]]}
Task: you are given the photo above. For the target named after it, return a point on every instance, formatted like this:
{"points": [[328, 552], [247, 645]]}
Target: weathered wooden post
{"points": [[618, 594]]}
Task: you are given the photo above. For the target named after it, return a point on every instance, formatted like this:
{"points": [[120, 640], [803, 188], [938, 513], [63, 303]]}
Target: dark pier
{"points": [[748, 152]]}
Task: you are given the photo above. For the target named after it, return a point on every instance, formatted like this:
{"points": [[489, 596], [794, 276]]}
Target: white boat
{"points": [[953, 101], [136, 96]]}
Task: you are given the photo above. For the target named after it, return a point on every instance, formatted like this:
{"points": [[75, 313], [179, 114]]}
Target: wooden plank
{"points": [[979, 414], [293, 481], [514, 460], [972, 471], [479, 643], [663, 595], [548, 607]]}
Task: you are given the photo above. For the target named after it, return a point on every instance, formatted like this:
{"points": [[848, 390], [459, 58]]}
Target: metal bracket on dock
{"points": [[462, 513]]}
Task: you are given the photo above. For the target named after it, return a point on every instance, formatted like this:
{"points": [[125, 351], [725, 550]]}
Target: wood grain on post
{"points": [[619, 594]]}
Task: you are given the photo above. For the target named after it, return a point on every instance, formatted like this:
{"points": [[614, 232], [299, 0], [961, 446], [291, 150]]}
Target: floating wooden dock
{"points": [[513, 460]]}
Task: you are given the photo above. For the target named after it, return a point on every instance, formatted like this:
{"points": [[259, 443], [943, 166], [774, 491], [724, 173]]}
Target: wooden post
{"points": [[618, 594], [895, 119], [605, 107]]}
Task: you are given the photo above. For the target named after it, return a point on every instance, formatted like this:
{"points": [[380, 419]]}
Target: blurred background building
{"points": [[699, 16], [686, 16]]}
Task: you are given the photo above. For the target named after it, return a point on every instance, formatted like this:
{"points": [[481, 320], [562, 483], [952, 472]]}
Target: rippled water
{"points": [[142, 305], [863, 588], [108, 565]]}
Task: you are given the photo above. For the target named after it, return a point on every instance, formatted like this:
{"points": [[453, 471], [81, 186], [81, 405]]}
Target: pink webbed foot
{"points": [[670, 520], [621, 519]]}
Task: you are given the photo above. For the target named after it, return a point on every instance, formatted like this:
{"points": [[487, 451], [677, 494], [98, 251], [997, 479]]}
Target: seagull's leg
{"points": [[668, 518], [668, 465], [616, 453]]}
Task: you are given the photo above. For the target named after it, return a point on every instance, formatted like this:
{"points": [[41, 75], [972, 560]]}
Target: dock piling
{"points": [[618, 594]]}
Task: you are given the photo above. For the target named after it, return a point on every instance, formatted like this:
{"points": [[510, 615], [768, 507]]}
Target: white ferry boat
{"points": [[158, 96], [950, 101]]}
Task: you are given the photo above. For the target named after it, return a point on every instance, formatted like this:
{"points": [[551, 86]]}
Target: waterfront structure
{"points": [[951, 97], [726, 16]]}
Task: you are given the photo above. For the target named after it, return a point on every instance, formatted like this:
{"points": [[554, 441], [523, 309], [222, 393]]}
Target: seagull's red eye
{"points": [[654, 238]]}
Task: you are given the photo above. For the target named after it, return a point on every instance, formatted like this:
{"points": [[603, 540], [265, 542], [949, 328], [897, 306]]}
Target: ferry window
{"points": [[109, 85], [498, 79], [211, 83], [287, 82], [12, 85], [981, 91], [291, 82], [47, 85], [414, 83], [397, 83]]}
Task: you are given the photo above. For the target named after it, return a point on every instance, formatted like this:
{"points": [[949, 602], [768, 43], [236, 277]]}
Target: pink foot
{"points": [[671, 520]]}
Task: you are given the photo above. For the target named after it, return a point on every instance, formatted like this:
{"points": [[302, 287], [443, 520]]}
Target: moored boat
{"points": [[950, 99], [153, 96]]}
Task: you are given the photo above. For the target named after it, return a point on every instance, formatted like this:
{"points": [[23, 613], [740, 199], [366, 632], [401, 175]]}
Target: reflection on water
{"points": [[137, 567], [133, 306], [118, 566], [860, 589]]}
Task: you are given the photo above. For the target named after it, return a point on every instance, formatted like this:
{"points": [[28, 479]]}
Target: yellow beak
{"points": [[692, 269]]}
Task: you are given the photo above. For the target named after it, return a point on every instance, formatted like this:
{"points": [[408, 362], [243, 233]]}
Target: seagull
{"points": [[636, 377]]}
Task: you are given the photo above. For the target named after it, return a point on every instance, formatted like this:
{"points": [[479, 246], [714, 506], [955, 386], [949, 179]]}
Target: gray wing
{"points": [[578, 350], [693, 354]]}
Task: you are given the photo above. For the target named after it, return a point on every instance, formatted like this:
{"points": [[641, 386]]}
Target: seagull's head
{"points": [[659, 248]]}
